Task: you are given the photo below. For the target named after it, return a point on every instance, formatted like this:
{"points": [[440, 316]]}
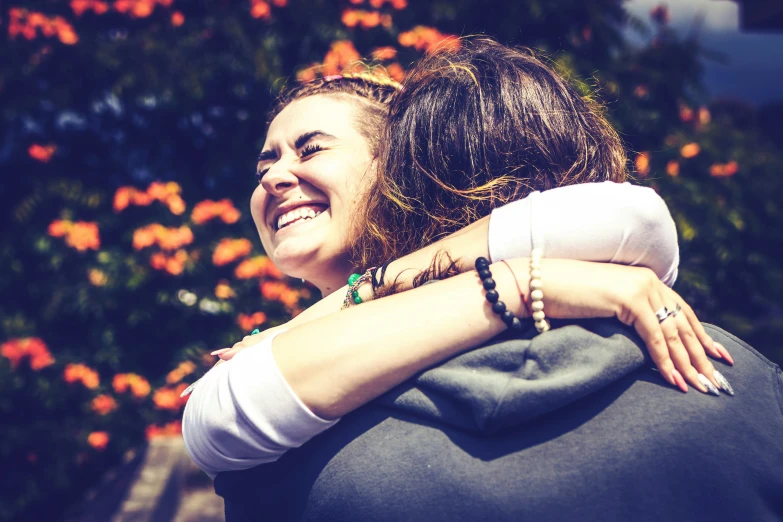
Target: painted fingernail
{"points": [[707, 384], [187, 391], [724, 352], [679, 381], [218, 352], [255, 331], [723, 383]]}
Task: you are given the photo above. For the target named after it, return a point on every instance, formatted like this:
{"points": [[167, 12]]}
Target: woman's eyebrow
{"points": [[300, 142], [307, 136], [266, 155]]}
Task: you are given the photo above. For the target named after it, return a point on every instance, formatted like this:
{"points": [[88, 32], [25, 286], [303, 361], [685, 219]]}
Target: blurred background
{"points": [[128, 136]]}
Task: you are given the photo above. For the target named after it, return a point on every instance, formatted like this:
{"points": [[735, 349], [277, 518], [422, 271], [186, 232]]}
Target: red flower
{"points": [[98, 440], [104, 404], [42, 153], [77, 372], [32, 347]]}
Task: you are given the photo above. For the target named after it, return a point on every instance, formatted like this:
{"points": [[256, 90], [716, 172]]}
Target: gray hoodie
{"points": [[569, 425]]}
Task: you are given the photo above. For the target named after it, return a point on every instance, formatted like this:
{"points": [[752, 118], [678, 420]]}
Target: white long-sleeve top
{"points": [[243, 413]]}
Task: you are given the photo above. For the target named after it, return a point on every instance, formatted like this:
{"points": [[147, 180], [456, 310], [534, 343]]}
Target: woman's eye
{"points": [[260, 174], [310, 149]]}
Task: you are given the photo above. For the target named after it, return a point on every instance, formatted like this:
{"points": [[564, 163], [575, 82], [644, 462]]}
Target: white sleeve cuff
{"points": [[243, 413], [509, 235]]}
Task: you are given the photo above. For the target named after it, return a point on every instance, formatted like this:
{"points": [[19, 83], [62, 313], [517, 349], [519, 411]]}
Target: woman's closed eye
{"points": [[307, 151]]}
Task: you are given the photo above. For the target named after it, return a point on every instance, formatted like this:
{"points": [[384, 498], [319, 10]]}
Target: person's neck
{"points": [[332, 278]]}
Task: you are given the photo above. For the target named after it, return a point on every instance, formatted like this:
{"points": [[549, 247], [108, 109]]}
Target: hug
{"points": [[546, 371]]}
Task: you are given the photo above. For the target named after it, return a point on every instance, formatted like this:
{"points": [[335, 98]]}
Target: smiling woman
{"points": [[312, 172]]}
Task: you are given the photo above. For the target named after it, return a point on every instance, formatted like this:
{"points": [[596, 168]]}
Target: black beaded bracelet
{"points": [[498, 306]]}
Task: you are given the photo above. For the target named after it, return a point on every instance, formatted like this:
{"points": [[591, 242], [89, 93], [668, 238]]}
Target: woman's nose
{"points": [[279, 179]]}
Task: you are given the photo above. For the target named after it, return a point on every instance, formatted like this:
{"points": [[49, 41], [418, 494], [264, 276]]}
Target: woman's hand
{"points": [[678, 343], [247, 341]]}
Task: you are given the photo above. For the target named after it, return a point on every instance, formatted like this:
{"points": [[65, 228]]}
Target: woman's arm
{"points": [[335, 364], [604, 222]]}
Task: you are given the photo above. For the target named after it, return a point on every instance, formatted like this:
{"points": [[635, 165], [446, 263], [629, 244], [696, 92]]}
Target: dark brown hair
{"points": [[473, 129]]}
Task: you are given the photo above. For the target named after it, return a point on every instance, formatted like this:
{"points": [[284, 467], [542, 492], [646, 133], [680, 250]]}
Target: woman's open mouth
{"points": [[299, 215]]}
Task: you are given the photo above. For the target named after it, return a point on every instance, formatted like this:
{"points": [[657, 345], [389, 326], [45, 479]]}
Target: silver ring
{"points": [[677, 310], [662, 314]]}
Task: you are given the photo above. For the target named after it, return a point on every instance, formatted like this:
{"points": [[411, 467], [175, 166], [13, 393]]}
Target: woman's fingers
{"points": [[679, 355], [697, 328], [695, 348], [648, 328]]}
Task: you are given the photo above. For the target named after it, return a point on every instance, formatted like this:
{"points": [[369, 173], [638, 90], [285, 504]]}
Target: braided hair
{"points": [[369, 92]]}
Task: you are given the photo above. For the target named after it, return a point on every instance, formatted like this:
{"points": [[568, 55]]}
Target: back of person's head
{"points": [[369, 92], [473, 129]]}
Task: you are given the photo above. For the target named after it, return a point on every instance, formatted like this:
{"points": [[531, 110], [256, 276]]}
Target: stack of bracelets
{"points": [[535, 308]]}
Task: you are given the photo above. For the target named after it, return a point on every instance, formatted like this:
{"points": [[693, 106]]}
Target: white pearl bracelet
{"points": [[536, 292]]}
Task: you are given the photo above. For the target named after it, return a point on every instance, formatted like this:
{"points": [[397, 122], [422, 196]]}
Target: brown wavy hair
{"points": [[473, 129]]}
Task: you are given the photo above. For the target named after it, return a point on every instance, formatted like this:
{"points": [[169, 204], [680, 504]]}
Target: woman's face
{"points": [[311, 173]]}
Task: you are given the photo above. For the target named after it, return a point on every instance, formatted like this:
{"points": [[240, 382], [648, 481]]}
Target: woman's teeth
{"points": [[296, 215]]}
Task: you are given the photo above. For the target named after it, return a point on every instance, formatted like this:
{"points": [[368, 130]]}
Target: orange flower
{"points": [[176, 205], [59, 228], [384, 53], [174, 238], [83, 235], [42, 153], [230, 216], [169, 398], [229, 250], [144, 237], [370, 19], [122, 198], [254, 267], [138, 385], [174, 266], [690, 150], [98, 440], [279, 291], [207, 210], [351, 17], [32, 347], [142, 8], [643, 163], [224, 291], [673, 168], [74, 372], [341, 54], [251, 321], [396, 72], [184, 369], [167, 430], [97, 277], [721, 170], [104, 404], [158, 260], [177, 19], [428, 39], [260, 9]]}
